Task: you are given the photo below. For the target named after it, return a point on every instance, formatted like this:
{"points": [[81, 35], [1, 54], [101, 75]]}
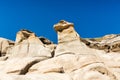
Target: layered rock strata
{"points": [[73, 58], [69, 40]]}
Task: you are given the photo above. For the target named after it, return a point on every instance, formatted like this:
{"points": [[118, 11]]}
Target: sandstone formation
{"points": [[28, 44], [5, 45], [109, 43], [69, 40], [73, 58]]}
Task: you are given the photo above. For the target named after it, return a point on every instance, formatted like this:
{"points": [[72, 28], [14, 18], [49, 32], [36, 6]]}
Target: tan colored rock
{"points": [[23, 35], [18, 65], [48, 44], [3, 58], [28, 44], [64, 63], [109, 43], [51, 68], [4, 46], [73, 58], [45, 41], [51, 76], [68, 39], [95, 71]]}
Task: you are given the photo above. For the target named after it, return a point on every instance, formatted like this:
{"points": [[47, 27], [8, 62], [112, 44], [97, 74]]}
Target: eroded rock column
{"points": [[68, 39]]}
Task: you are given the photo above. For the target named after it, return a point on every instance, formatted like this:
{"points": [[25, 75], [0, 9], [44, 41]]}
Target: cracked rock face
{"points": [[73, 58]]}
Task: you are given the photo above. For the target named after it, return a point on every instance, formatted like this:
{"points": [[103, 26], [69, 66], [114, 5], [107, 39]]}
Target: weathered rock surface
{"points": [[73, 58], [28, 44], [50, 76], [109, 43], [5, 45], [18, 66], [69, 40]]}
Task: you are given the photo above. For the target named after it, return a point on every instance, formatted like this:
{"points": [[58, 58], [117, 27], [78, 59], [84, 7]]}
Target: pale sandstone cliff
{"points": [[73, 58]]}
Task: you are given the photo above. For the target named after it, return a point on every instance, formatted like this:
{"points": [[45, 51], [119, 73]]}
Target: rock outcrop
{"points": [[69, 40], [109, 43], [5, 45], [73, 58], [28, 44]]}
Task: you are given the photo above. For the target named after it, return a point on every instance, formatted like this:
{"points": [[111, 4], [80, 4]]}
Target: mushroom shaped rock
{"points": [[68, 39]]}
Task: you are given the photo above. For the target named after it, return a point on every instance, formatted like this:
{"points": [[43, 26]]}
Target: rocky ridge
{"points": [[74, 58]]}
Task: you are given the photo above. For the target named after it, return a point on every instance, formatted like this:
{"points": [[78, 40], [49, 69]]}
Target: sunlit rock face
{"points": [[28, 44], [5, 45], [30, 57], [108, 43], [68, 39]]}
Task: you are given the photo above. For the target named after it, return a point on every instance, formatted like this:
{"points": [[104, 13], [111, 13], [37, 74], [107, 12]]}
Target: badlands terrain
{"points": [[30, 57]]}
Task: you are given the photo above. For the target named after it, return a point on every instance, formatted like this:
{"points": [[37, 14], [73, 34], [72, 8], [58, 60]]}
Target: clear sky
{"points": [[92, 18]]}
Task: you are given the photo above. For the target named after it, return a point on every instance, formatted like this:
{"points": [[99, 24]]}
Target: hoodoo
{"points": [[68, 39], [73, 58]]}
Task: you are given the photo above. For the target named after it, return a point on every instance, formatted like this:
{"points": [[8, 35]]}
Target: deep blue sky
{"points": [[92, 18]]}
